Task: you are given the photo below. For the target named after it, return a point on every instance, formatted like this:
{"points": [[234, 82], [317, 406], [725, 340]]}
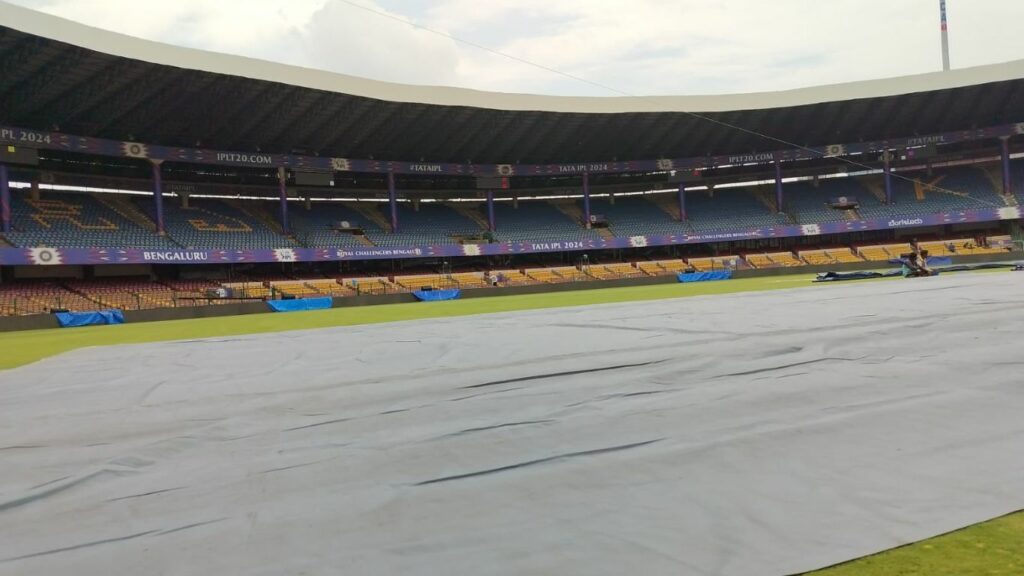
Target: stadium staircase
{"points": [[470, 210], [121, 205], [372, 214], [570, 209], [257, 211], [876, 186], [994, 173], [668, 203], [765, 198], [4, 243]]}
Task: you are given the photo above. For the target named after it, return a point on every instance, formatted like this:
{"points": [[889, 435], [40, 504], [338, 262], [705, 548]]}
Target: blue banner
{"points": [[686, 277], [75, 319], [437, 295], [300, 304]]}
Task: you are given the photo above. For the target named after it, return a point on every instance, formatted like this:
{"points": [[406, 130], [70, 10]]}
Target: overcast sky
{"points": [[640, 47]]}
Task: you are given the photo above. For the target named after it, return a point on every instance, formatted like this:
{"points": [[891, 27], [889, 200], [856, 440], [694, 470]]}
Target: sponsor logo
{"points": [[435, 168], [905, 222], [835, 150], [666, 164], [285, 255], [134, 150], [638, 241], [240, 158], [471, 249], [341, 164], [176, 256], [45, 256], [576, 168], [752, 158], [925, 140]]}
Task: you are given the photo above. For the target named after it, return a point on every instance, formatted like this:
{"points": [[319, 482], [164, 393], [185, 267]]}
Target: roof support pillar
{"points": [[682, 202], [887, 169], [158, 195], [393, 201], [5, 199], [282, 192], [778, 185], [1004, 142], [490, 210], [586, 199]]}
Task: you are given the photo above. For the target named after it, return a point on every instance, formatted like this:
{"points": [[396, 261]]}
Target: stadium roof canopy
{"points": [[62, 76]]}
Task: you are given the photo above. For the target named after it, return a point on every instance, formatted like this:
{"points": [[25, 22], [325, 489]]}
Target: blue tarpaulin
{"points": [[931, 260], [73, 319], [300, 304], [435, 295], [705, 276]]}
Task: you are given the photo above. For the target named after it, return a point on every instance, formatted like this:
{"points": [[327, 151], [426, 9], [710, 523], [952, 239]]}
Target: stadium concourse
{"points": [[761, 433]]}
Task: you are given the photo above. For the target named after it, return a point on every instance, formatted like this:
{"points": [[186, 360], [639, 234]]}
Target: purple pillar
{"points": [[682, 201], [158, 195], [778, 185], [490, 210], [5, 199], [282, 190], [887, 168], [586, 199], [1005, 144], [393, 201]]}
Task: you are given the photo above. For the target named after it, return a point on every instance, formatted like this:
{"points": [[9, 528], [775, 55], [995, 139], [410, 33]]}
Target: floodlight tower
{"points": [[945, 36]]}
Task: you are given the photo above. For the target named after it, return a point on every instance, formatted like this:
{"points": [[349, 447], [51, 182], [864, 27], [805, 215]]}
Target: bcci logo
{"points": [[666, 164], [341, 164], [285, 255], [44, 256], [135, 150], [810, 230], [835, 150], [505, 170]]}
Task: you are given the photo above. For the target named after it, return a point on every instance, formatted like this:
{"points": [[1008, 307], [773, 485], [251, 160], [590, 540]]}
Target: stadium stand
{"points": [[808, 204], [636, 216], [537, 221], [432, 223], [717, 263], [213, 224], [729, 209], [830, 256], [316, 227], [774, 260], [964, 188], [75, 220]]}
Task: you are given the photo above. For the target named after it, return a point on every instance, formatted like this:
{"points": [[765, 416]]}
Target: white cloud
{"points": [[636, 46]]}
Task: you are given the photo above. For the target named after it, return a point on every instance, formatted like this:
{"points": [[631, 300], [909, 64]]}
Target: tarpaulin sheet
{"points": [[436, 295], [931, 260], [858, 275], [300, 304], [704, 276], [756, 434], [75, 319]]}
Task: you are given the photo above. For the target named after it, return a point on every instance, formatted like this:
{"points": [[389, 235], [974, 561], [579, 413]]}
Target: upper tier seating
{"points": [[636, 216], [537, 221], [729, 210], [433, 223], [315, 227], [74, 220], [811, 205], [964, 188], [215, 224]]}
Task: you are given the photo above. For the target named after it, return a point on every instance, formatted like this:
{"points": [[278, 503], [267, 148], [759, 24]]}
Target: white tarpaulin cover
{"points": [[749, 434]]}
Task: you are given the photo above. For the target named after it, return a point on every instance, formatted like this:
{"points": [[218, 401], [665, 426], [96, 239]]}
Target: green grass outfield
{"points": [[17, 348], [991, 548]]}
